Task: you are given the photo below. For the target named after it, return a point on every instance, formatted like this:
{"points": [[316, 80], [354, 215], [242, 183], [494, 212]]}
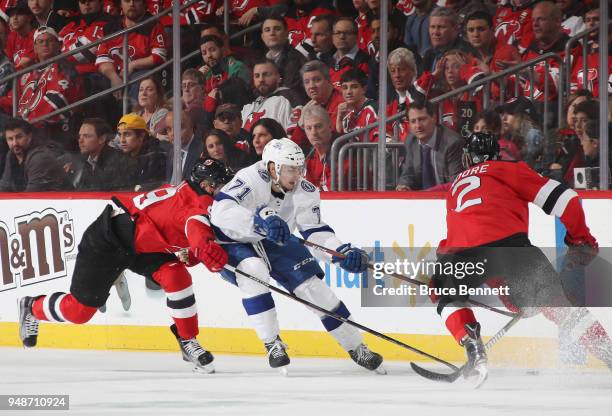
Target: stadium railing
{"points": [[364, 160], [581, 37], [14, 77]]}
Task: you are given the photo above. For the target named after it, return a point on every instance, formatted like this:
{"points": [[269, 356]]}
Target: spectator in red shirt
{"points": [[20, 41], [147, 47], [458, 112], [548, 36], [591, 67], [491, 56], [299, 18], [364, 32], [319, 88], [348, 55], [86, 28], [318, 127], [48, 89], [513, 23], [357, 110], [263, 131]]}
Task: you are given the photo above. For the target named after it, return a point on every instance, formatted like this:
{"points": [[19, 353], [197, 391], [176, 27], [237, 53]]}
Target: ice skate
{"points": [[28, 323], [476, 355], [277, 355], [194, 353], [368, 359]]}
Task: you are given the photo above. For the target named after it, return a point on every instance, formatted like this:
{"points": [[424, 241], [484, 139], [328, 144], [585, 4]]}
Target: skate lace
{"points": [[31, 325], [363, 353], [277, 349], [193, 348]]}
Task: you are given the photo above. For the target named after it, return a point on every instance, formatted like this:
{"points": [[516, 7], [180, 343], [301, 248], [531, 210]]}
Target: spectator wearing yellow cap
{"points": [[146, 159]]}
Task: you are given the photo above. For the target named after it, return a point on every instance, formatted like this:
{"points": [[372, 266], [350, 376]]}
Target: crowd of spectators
{"points": [[308, 72]]}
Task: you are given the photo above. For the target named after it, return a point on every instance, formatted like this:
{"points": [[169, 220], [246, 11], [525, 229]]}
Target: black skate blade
{"points": [[432, 375]]}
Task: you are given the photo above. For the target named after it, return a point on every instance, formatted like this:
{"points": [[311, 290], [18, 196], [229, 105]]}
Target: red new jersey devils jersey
{"points": [[146, 41], [592, 74], [80, 32], [489, 202], [299, 24], [169, 219], [513, 27], [45, 90], [18, 47], [360, 118], [240, 7]]}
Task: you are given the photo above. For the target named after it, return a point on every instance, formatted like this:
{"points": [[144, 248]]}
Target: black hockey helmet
{"points": [[480, 147], [214, 172]]}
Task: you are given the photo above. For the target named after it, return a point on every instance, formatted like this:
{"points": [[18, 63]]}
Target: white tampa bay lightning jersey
{"points": [[235, 207]]}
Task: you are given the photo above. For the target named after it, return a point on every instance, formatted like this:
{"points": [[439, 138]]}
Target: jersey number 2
{"points": [[472, 182]]}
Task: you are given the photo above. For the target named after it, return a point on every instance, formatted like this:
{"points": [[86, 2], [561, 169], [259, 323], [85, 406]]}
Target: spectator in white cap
{"points": [[47, 89]]}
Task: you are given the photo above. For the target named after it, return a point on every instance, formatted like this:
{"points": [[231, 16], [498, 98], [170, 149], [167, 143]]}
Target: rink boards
{"points": [[39, 235]]}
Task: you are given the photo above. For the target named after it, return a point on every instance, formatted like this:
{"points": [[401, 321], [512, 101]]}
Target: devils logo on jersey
{"points": [[31, 96], [590, 79], [508, 30], [296, 37], [252, 119]]}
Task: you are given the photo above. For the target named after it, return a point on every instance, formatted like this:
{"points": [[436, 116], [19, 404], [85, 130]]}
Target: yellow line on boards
{"points": [[510, 352]]}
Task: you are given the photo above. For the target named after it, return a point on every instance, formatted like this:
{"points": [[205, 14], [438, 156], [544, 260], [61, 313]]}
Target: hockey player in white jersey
{"points": [[254, 216]]}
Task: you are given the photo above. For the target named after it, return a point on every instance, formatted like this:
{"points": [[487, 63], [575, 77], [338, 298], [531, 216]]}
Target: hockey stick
{"points": [[340, 318], [398, 276], [450, 378]]}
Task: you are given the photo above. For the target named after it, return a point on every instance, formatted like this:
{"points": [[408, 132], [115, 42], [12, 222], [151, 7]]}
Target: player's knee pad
{"points": [[256, 267], [173, 277], [314, 290]]}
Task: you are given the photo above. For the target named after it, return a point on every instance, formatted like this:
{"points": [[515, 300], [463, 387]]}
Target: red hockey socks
{"points": [[455, 320], [176, 282], [62, 307]]}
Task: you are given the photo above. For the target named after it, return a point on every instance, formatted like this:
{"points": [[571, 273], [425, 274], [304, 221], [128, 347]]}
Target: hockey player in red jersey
{"points": [[487, 220], [142, 234]]}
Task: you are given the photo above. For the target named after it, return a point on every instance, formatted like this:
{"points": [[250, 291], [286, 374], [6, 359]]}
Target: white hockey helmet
{"points": [[283, 152]]}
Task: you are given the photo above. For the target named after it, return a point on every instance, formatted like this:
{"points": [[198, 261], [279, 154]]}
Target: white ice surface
{"points": [[151, 383]]}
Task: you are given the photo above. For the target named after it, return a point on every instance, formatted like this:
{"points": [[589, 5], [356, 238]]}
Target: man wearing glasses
{"points": [[348, 55]]}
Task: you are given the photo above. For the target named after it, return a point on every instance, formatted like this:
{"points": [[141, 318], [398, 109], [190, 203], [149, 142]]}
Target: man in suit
{"points": [[433, 152], [191, 146]]}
